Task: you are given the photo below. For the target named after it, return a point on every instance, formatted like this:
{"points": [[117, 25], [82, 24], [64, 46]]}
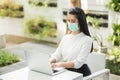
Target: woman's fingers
{"points": [[53, 65]]}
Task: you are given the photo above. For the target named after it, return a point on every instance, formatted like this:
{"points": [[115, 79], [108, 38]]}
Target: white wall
{"points": [[98, 5], [13, 26]]}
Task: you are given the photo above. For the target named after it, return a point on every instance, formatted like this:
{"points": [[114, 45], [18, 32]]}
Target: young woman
{"points": [[75, 47]]}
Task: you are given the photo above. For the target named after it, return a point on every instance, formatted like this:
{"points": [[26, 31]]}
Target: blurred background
{"points": [[45, 20]]}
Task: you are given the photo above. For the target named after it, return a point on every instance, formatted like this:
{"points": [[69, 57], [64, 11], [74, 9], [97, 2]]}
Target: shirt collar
{"points": [[77, 35]]}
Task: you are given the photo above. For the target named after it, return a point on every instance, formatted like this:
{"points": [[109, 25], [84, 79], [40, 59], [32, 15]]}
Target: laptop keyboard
{"points": [[54, 71]]}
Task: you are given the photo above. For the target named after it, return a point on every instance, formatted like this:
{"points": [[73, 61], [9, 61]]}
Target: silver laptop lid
{"points": [[39, 61]]}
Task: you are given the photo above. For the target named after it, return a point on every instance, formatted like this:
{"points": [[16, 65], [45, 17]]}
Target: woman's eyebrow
{"points": [[73, 20]]}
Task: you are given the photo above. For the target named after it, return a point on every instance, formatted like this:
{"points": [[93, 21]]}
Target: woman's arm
{"points": [[84, 53], [57, 55], [69, 64], [81, 58]]}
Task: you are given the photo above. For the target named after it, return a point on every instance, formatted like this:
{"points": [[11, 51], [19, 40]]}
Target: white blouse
{"points": [[74, 48]]}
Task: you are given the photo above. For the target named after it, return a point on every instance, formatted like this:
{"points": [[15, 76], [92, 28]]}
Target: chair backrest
{"points": [[96, 61]]}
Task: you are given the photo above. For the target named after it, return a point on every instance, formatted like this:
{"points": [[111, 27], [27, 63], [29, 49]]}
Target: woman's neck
{"points": [[76, 32]]}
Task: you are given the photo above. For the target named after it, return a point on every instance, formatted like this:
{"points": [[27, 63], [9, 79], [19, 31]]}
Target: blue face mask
{"points": [[73, 26]]}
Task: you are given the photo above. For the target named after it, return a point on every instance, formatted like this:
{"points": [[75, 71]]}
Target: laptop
{"points": [[40, 62]]}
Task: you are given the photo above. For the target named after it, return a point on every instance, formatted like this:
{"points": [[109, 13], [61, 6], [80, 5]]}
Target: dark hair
{"points": [[79, 13]]}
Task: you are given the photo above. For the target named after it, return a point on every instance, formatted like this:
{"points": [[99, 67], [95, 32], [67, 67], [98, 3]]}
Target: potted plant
{"points": [[41, 28], [45, 3], [114, 9], [115, 37], [51, 12], [10, 9], [95, 34], [114, 5], [11, 17], [7, 58], [43, 8], [113, 61]]}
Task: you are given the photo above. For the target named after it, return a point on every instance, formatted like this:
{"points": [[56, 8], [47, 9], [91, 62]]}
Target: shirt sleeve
{"points": [[57, 54], [84, 52]]}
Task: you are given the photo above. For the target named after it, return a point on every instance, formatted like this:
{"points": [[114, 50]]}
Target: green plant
{"points": [[96, 25], [115, 37], [114, 5], [41, 27], [113, 61], [114, 68], [31, 27], [35, 3], [45, 3], [115, 53], [10, 9], [3, 13], [7, 58]]}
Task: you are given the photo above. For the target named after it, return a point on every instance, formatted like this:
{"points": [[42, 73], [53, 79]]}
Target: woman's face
{"points": [[73, 23], [72, 19]]}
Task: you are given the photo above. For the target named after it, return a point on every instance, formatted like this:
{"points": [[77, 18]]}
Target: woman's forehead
{"points": [[71, 16]]}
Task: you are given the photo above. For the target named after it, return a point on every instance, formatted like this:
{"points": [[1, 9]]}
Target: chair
{"points": [[96, 62]]}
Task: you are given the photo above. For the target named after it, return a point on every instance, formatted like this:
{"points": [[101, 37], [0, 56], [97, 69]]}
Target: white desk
{"points": [[26, 74]]}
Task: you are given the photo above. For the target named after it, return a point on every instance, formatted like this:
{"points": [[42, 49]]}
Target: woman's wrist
{"points": [[59, 64], [69, 64]]}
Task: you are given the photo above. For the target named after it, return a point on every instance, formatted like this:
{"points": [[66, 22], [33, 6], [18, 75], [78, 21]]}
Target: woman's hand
{"points": [[52, 60], [54, 65]]}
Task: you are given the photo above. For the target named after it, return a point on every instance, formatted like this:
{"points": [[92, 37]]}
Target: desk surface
{"points": [[26, 74]]}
